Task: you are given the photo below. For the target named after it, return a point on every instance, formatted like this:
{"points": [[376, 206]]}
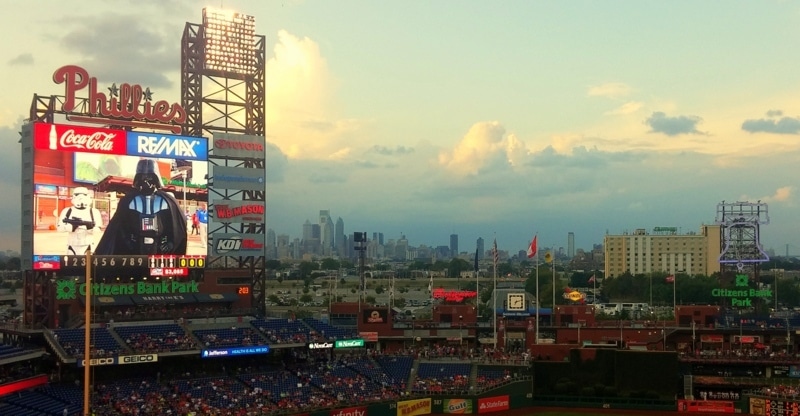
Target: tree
{"points": [[306, 267], [306, 298], [379, 290], [330, 264], [273, 265], [370, 300], [457, 266]]}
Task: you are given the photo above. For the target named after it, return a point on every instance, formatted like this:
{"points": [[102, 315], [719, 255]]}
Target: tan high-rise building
{"points": [[663, 250]]}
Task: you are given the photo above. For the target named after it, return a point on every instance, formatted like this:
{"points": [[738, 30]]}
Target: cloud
{"points": [[10, 169], [609, 90], [386, 151], [782, 194], [301, 117], [482, 148], [627, 108], [147, 57], [25, 59], [673, 126], [783, 125], [276, 164]]}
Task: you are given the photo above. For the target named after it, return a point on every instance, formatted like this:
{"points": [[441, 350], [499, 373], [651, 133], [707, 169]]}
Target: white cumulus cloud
{"points": [[482, 147], [609, 90]]}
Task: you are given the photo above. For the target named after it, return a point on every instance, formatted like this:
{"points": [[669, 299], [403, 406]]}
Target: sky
{"points": [[485, 119]]}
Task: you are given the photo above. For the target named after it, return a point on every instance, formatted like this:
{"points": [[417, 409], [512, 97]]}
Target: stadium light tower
{"points": [[223, 90]]}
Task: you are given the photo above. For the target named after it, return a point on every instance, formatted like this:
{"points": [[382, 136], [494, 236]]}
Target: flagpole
{"points": [[674, 304], [537, 298], [494, 309], [553, 258]]}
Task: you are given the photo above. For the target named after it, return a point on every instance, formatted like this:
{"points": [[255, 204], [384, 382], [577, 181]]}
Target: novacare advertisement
{"points": [[493, 404], [414, 407], [457, 406]]}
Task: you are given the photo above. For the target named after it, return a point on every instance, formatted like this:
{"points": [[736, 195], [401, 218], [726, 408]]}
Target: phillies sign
{"points": [[127, 105]]}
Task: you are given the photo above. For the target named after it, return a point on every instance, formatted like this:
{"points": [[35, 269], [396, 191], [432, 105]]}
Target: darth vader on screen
{"points": [[147, 221]]}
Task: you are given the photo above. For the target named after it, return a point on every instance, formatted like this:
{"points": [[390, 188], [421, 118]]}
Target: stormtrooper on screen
{"points": [[148, 220], [80, 222]]}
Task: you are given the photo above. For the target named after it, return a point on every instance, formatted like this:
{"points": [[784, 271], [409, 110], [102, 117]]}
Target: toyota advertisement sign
{"points": [[239, 146]]}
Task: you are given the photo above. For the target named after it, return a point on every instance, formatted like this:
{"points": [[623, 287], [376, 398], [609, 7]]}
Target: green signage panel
{"points": [[349, 343]]}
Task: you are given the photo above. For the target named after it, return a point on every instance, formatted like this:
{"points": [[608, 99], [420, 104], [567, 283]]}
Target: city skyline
{"points": [[479, 119]]}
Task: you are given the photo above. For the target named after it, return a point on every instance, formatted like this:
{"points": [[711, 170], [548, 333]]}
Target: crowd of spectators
{"points": [[145, 343]]}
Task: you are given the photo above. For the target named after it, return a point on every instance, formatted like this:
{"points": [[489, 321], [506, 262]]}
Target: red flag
{"points": [[592, 279], [533, 250], [670, 279]]}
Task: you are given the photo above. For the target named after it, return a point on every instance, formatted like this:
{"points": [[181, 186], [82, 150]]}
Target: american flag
{"points": [[495, 253]]}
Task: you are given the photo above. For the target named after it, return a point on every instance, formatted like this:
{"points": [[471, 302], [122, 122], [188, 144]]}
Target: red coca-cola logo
{"points": [[79, 139], [98, 141]]}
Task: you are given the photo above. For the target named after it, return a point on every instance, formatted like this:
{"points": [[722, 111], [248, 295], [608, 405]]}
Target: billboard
{"points": [[457, 406], [414, 407], [242, 179], [240, 146], [227, 211], [493, 404], [126, 196], [375, 316], [228, 244]]}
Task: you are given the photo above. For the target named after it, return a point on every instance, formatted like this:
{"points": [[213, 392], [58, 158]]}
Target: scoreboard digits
{"points": [[188, 262]]}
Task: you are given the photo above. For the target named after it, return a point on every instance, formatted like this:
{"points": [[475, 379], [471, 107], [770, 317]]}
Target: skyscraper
{"points": [[453, 245], [571, 244], [480, 248], [339, 240]]}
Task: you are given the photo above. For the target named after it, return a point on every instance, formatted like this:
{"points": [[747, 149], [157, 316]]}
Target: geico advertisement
{"points": [[122, 359], [493, 404], [414, 407]]}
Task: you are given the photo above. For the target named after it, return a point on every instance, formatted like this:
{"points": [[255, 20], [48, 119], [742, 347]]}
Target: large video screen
{"points": [[131, 198]]}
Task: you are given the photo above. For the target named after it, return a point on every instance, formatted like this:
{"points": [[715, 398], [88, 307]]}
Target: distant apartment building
{"points": [[663, 250]]}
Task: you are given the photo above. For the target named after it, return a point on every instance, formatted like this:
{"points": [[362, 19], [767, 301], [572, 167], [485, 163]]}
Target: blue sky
{"points": [[481, 118]]}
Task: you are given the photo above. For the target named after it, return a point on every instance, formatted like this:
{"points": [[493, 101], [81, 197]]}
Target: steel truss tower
{"points": [[740, 245], [223, 91]]}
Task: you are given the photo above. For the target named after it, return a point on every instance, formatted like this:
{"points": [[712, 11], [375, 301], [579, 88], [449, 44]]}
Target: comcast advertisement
{"points": [[121, 194]]}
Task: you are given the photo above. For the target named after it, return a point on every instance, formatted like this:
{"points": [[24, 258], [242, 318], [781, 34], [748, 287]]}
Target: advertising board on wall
{"points": [[116, 192], [229, 244], [243, 179], [375, 316], [493, 404], [228, 211], [414, 407], [240, 146], [457, 406]]}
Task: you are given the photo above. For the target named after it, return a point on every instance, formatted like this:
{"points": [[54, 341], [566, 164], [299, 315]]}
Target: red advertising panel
{"points": [[706, 406], [493, 404], [350, 411], [128, 197], [26, 384]]}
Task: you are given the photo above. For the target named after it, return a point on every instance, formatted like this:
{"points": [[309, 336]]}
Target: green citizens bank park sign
{"points": [[741, 295], [68, 289]]}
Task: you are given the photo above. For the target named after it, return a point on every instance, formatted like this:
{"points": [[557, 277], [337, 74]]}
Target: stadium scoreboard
{"points": [[163, 262]]}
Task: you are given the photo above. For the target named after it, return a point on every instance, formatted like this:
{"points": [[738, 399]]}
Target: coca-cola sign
{"points": [[127, 105], [78, 139]]}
